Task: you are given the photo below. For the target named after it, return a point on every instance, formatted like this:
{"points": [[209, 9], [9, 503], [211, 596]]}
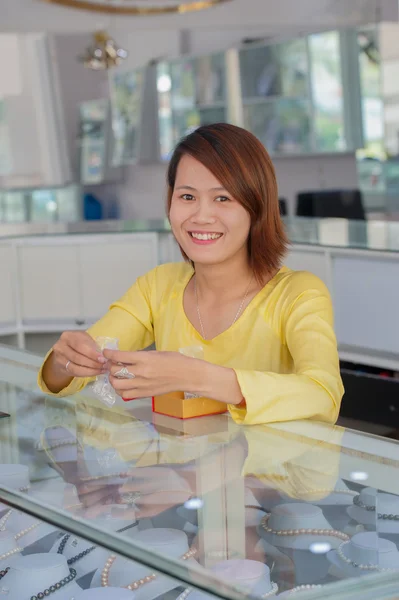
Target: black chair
{"points": [[340, 204]]}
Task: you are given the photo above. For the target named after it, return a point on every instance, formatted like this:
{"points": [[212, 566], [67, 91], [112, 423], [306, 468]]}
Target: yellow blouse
{"points": [[282, 348]]}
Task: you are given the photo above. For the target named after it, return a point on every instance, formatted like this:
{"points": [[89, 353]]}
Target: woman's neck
{"points": [[222, 279]]}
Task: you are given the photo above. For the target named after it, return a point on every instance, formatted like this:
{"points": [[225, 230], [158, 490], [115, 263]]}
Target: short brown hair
{"points": [[242, 165]]}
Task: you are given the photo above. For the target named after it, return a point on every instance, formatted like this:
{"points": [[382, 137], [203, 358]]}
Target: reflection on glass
{"points": [[210, 79], [327, 91], [260, 73], [282, 125], [294, 68], [183, 85], [126, 97], [277, 70], [372, 103], [190, 93], [93, 138]]}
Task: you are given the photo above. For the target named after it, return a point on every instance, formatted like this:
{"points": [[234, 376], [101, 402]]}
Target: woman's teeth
{"points": [[206, 236]]}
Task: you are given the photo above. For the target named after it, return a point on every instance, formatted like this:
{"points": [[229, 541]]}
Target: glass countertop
{"points": [[339, 233], [317, 504]]}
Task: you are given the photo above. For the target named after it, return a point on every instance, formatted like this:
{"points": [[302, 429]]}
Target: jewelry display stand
{"points": [[250, 576], [123, 572], [365, 553], [297, 526], [106, 594], [74, 546], [60, 444], [31, 575], [15, 477], [28, 530], [376, 510], [9, 549]]}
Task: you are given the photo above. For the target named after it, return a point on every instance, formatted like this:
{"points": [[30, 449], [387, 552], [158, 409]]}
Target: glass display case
{"points": [[121, 503], [191, 92], [41, 205], [93, 140], [126, 105]]}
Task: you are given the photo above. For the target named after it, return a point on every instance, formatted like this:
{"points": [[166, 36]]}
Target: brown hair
{"points": [[242, 165]]}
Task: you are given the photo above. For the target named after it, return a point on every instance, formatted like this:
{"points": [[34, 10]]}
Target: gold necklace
{"points": [[237, 313]]}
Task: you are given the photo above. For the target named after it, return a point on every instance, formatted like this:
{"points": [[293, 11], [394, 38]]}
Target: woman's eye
{"points": [[187, 197], [222, 199]]}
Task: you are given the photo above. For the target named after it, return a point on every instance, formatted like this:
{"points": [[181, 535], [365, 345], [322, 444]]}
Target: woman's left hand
{"points": [[155, 373]]}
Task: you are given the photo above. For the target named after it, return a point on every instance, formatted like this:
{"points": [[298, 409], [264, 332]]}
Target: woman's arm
{"points": [[313, 391]]}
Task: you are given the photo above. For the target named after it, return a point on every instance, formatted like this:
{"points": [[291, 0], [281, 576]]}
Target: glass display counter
{"points": [[121, 503]]}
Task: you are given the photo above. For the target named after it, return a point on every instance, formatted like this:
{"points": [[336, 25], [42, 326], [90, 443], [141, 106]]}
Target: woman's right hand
{"points": [[76, 354]]}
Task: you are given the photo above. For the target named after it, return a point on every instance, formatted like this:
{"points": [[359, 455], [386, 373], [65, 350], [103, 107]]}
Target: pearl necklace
{"points": [[21, 533], [27, 530], [59, 444], [326, 490], [4, 519], [10, 553], [237, 313], [272, 592], [134, 585], [364, 567], [289, 532], [74, 559], [385, 516], [123, 475], [301, 588]]}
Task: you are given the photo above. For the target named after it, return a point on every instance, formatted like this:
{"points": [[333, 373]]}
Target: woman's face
{"points": [[208, 223]]}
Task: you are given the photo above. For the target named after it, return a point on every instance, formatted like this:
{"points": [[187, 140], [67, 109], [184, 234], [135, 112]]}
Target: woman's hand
{"points": [[75, 354], [154, 372]]}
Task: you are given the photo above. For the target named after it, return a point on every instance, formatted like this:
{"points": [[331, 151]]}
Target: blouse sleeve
{"points": [[314, 389], [129, 320]]}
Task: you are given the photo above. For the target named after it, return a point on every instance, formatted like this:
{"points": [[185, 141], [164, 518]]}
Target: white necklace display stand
{"points": [[299, 516], [36, 530], [250, 576], [8, 545], [169, 542], [309, 567], [96, 558], [15, 477], [371, 553], [106, 594], [383, 504], [32, 574]]}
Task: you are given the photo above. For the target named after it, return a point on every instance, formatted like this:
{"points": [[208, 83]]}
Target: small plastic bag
{"points": [[102, 387], [192, 352]]}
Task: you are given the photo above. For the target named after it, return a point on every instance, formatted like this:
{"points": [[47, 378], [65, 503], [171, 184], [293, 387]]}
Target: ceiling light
{"points": [[104, 53], [139, 7]]}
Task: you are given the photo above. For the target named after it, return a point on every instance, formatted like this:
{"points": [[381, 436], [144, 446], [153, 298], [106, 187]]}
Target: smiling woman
{"points": [[267, 335]]}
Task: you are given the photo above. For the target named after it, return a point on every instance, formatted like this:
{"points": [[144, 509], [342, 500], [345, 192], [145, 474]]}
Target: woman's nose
{"points": [[203, 213]]}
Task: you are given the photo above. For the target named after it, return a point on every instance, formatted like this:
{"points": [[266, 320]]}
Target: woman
{"points": [[267, 332]]}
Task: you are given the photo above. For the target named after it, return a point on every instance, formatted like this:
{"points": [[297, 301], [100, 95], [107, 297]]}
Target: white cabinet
{"points": [[70, 281], [49, 282], [109, 265], [8, 314]]}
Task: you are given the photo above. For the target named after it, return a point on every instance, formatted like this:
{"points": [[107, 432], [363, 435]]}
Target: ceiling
{"points": [[272, 16]]}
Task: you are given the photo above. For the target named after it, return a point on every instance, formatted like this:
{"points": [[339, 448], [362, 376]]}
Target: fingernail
{"points": [[102, 359]]}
